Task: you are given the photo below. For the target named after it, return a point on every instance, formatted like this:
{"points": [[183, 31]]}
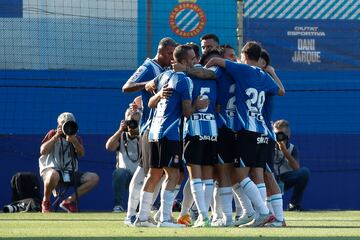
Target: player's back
{"points": [[226, 99], [253, 86], [202, 122], [168, 111]]}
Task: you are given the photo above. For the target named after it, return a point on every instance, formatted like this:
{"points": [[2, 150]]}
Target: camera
{"points": [[280, 136], [132, 124], [11, 208], [70, 128]]}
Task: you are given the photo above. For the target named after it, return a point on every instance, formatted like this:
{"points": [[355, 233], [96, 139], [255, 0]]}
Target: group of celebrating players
{"points": [[210, 115]]}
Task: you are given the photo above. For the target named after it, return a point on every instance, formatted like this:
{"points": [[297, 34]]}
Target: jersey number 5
{"points": [[203, 95]]}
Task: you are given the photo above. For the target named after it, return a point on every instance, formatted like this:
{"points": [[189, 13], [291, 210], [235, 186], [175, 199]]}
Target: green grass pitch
{"points": [[301, 225]]}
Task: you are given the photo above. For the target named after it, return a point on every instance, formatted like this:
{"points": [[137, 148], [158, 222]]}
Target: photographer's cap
{"points": [[65, 117]]}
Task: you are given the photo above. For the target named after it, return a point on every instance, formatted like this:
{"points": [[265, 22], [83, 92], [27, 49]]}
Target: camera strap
{"points": [[126, 143], [63, 151], [279, 159]]}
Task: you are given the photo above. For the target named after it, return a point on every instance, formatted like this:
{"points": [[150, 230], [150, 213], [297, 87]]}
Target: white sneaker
{"points": [[202, 223], [276, 223], [259, 221], [157, 217], [222, 223], [130, 221], [244, 219], [146, 223], [170, 224], [118, 209]]}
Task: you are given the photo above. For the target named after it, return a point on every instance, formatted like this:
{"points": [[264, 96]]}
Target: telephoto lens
{"points": [[280, 136], [133, 124], [11, 208], [70, 128]]}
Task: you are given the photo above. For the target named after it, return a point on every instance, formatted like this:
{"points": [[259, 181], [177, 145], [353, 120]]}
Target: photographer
{"points": [[58, 163], [287, 166], [126, 142]]}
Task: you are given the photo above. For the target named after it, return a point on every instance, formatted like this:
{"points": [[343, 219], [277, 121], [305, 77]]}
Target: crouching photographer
{"points": [[125, 141], [58, 163], [287, 167]]}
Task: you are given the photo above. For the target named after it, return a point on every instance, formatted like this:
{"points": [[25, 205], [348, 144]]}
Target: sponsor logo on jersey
{"points": [[202, 117], [208, 138], [138, 73]]}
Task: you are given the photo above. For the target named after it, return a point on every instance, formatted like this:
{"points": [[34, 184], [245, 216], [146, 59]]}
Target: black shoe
{"points": [[293, 207]]}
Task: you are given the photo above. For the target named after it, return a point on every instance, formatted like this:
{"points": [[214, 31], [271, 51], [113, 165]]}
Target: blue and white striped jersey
{"points": [[253, 88], [226, 98], [166, 120], [202, 122], [146, 72]]}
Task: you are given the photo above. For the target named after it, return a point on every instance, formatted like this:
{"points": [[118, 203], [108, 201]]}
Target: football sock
{"points": [[167, 198], [238, 208], [246, 205], [188, 199], [135, 186], [253, 194], [277, 205], [208, 185], [145, 205], [199, 196], [262, 189], [226, 202]]}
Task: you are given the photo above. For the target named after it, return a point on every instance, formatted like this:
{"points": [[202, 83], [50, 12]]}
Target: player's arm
{"points": [[269, 69], [197, 72], [216, 61], [188, 108], [165, 92], [133, 87], [137, 81]]}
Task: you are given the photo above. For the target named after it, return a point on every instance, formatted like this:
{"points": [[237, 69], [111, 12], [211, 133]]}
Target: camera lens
{"points": [[132, 124], [10, 209], [280, 136], [70, 128]]}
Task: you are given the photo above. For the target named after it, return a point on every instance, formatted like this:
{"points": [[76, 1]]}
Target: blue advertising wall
{"points": [[313, 46], [75, 57]]}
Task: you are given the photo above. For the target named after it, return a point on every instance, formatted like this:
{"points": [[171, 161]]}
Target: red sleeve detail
{"points": [[48, 136]]}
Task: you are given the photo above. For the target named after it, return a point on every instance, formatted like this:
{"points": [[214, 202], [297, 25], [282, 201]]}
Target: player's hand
{"points": [[269, 69], [212, 62], [151, 87], [166, 92], [201, 103], [178, 67], [133, 107]]}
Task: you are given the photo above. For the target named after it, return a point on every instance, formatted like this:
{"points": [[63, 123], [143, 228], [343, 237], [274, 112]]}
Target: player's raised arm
{"points": [[216, 61]]}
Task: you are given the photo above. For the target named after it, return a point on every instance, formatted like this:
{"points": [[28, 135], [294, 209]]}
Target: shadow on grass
{"points": [[187, 237], [63, 220], [326, 227]]}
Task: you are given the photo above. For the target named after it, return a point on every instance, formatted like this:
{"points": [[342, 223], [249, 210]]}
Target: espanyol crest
{"points": [[187, 19]]}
